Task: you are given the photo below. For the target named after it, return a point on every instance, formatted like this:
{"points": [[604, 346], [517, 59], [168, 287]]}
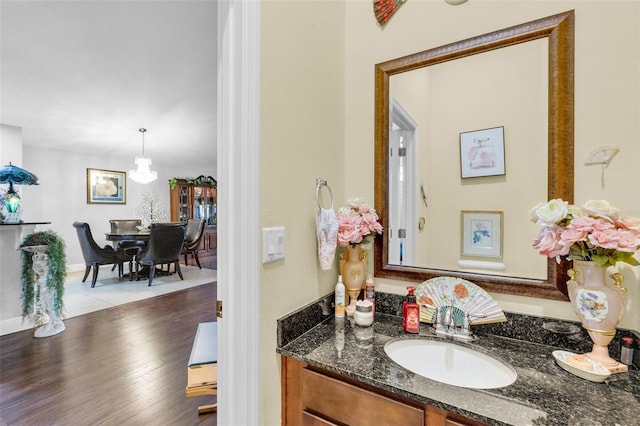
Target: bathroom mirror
{"points": [[538, 152]]}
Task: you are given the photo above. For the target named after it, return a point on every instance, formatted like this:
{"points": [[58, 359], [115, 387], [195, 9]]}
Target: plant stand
{"points": [[46, 321]]}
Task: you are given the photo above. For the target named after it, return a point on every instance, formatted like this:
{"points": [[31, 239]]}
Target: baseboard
{"points": [[12, 325]]}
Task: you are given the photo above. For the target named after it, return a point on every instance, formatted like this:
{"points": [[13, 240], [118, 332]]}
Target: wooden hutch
{"points": [[197, 199]]}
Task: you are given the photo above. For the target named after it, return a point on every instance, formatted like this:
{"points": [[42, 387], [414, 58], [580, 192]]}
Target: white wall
{"points": [[10, 145], [61, 197]]}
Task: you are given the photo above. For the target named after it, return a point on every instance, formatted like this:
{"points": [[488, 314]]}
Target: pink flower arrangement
{"points": [[357, 223], [593, 232]]}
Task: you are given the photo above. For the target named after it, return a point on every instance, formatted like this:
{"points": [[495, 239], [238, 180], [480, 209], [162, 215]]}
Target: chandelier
{"points": [[143, 174]]}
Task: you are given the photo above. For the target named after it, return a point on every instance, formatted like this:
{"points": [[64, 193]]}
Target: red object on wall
{"points": [[384, 9]]}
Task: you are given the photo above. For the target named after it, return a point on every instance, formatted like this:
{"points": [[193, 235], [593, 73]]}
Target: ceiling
{"points": [[84, 76]]}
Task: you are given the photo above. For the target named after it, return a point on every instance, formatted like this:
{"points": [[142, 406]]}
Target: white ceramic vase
{"points": [[599, 306]]}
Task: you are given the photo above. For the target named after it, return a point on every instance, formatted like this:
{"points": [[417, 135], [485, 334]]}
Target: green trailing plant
{"points": [[56, 266], [200, 180]]}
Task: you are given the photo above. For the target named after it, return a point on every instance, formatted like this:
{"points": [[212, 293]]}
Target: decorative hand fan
{"points": [[601, 155], [384, 9], [463, 295]]}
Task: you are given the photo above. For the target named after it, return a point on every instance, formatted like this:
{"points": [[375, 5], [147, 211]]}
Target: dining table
{"points": [[117, 237], [127, 236]]}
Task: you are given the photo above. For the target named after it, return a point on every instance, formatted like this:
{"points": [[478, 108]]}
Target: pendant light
{"points": [[143, 174]]}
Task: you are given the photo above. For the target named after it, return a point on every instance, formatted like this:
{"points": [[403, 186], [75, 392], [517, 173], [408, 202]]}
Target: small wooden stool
{"points": [[202, 369]]}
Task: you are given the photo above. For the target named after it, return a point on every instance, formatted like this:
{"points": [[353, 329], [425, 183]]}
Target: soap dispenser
{"points": [[411, 312]]}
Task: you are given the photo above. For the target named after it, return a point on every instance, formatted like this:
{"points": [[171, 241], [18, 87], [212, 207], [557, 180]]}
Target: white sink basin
{"points": [[451, 364]]}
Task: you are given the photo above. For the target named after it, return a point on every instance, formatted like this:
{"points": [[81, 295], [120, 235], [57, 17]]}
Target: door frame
{"points": [[238, 136]]}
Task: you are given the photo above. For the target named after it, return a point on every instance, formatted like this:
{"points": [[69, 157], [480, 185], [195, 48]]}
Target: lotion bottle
{"points": [[370, 292], [411, 312], [339, 298]]}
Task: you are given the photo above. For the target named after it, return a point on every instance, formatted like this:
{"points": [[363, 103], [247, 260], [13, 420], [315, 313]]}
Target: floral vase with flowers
{"points": [[357, 226], [594, 236]]}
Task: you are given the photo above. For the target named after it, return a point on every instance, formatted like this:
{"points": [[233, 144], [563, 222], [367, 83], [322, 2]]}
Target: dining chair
{"points": [[164, 247], [192, 239], [94, 255], [126, 225]]}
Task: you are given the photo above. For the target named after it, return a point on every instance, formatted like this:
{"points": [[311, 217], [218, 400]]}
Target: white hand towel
{"points": [[327, 227]]}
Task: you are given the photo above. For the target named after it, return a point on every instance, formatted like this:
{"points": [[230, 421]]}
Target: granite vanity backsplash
{"points": [[563, 334]]}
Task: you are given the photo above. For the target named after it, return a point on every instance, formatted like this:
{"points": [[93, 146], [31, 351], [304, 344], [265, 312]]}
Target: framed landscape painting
{"points": [[106, 187]]}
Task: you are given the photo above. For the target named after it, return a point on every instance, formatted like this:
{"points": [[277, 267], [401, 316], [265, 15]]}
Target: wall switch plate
{"points": [[272, 244]]}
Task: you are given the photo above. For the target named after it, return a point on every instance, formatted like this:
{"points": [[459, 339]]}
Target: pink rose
{"points": [[549, 244], [602, 225], [356, 221], [582, 223], [570, 236], [363, 208], [348, 233], [607, 238], [628, 222], [368, 219], [628, 240]]}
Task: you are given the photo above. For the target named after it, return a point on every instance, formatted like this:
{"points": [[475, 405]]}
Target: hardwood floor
{"points": [[120, 366]]}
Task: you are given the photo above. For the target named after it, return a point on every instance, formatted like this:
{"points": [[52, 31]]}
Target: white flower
{"points": [[600, 208], [552, 212], [533, 216]]}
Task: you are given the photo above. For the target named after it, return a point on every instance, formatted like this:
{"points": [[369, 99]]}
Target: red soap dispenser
{"points": [[411, 312]]}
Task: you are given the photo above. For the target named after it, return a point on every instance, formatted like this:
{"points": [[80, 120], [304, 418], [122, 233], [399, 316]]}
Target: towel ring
{"points": [[321, 183]]}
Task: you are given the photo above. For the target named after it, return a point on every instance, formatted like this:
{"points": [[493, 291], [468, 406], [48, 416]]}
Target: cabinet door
{"points": [[310, 397], [309, 419], [341, 402], [204, 204], [180, 203]]}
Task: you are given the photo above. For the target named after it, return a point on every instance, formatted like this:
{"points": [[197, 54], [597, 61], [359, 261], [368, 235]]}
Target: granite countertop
{"points": [[543, 394]]}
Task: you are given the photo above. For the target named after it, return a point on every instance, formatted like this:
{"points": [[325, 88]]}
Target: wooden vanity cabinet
{"points": [[313, 397]]}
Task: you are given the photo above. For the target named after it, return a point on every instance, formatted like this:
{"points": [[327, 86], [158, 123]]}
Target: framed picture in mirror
{"points": [[481, 233], [482, 153]]}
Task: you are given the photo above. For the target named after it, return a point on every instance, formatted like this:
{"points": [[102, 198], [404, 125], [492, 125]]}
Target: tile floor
{"points": [[110, 291]]}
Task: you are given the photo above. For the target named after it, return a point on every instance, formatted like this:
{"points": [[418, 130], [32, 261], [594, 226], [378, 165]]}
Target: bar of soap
{"points": [[580, 361]]}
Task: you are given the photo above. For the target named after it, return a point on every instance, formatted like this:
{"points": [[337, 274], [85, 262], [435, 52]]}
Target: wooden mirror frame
{"points": [[559, 29]]}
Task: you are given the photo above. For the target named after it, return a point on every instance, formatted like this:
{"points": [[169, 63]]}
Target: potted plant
{"points": [[34, 246]]}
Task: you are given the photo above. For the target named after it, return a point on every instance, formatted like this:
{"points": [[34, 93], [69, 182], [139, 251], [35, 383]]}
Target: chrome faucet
{"points": [[444, 323]]}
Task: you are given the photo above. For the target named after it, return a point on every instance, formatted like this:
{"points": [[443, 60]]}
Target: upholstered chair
{"points": [[192, 239], [119, 226], [95, 256], [164, 247]]}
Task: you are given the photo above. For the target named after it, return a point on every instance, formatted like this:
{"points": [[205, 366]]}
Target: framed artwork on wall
{"points": [[106, 187], [482, 153], [481, 233]]}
